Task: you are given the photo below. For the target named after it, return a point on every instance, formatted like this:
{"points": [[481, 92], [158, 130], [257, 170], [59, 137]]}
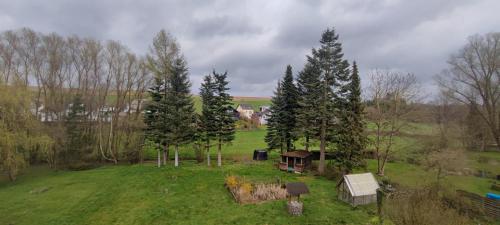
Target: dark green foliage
{"points": [[274, 136], [332, 74], [179, 113], [350, 138], [78, 147], [283, 120], [224, 122], [154, 129], [308, 84], [289, 109], [207, 127], [217, 120]]}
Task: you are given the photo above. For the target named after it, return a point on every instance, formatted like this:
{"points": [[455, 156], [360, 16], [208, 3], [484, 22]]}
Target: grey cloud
{"points": [[255, 40]]}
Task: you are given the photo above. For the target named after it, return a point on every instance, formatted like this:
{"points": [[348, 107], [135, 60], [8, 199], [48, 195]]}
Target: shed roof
{"points": [[298, 154], [361, 184], [296, 188]]}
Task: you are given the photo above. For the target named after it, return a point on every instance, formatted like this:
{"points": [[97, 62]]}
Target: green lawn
{"points": [[194, 193], [144, 194]]}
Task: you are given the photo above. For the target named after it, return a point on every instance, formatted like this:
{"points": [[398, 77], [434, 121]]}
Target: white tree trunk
{"points": [[176, 155], [219, 156], [165, 155], [159, 158], [208, 158]]}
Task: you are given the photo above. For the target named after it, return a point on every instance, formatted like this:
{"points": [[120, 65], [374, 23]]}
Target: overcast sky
{"points": [[255, 40]]}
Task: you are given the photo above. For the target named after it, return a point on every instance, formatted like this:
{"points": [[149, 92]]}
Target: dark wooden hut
{"points": [[296, 161]]}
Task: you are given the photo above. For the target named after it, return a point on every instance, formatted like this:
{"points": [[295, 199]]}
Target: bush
{"points": [[483, 159], [78, 166], [231, 181], [495, 187], [422, 206]]}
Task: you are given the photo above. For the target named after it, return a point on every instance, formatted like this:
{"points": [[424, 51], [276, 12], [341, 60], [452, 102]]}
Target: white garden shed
{"points": [[358, 189]]}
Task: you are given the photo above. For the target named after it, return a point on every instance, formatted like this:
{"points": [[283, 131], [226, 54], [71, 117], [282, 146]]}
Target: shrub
{"points": [[77, 166], [232, 181], [483, 159], [422, 206]]}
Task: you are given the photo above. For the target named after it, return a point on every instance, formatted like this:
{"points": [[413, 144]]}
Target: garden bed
{"points": [[245, 192]]}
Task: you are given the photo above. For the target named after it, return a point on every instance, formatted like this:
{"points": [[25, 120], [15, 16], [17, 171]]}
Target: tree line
{"points": [[71, 102], [323, 105], [170, 118], [87, 92]]}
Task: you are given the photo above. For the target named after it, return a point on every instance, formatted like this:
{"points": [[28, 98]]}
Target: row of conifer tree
{"points": [[322, 104]]}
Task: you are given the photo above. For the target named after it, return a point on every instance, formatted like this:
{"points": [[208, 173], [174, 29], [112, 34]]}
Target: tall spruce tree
{"points": [[208, 114], [350, 137], [156, 125], [334, 72], [224, 122], [281, 127], [308, 85], [289, 108], [274, 136], [179, 116]]}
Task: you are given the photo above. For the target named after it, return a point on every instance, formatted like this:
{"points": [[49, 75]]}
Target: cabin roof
{"points": [[297, 154], [296, 188], [361, 184]]}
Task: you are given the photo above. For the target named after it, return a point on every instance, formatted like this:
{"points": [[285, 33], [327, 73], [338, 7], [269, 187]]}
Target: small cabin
{"points": [[358, 189], [296, 161]]}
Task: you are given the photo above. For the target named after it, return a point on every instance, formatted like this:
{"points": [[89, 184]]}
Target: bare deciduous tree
{"points": [[392, 95], [474, 79]]}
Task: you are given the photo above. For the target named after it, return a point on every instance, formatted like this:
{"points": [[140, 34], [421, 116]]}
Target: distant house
{"points": [[245, 111], [261, 117], [263, 108], [358, 189]]}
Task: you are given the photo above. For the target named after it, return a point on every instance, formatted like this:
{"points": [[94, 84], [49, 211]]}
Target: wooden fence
{"points": [[490, 206]]}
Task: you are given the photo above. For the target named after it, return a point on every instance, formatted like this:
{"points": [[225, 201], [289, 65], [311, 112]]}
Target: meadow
{"points": [[195, 193]]}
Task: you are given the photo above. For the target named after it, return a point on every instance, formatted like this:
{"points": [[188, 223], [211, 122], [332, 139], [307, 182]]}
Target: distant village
{"points": [[241, 112]]}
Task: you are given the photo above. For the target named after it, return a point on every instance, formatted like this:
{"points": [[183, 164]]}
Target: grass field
{"points": [[144, 194], [195, 193]]}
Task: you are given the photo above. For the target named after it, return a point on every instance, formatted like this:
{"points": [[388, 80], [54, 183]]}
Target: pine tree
{"points": [[78, 138], [208, 119], [350, 137], [308, 85], [224, 126], [274, 136], [289, 108], [155, 128], [334, 72], [179, 116]]}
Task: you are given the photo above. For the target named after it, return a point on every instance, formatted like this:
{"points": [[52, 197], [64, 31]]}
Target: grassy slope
{"points": [[194, 194], [143, 194]]}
